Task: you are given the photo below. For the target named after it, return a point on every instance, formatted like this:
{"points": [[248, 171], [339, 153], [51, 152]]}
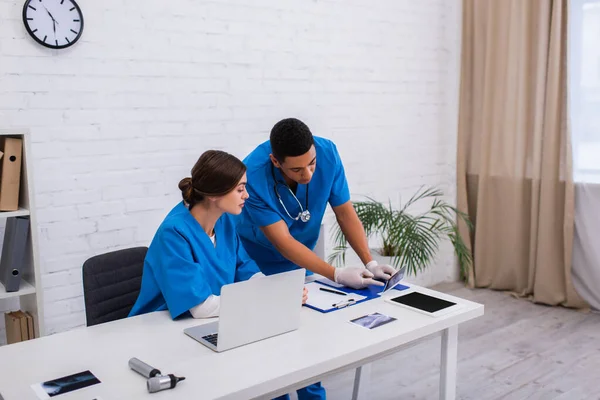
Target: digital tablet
{"points": [[424, 303]]}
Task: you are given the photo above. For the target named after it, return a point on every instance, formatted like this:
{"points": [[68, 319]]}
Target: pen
{"points": [[333, 291]]}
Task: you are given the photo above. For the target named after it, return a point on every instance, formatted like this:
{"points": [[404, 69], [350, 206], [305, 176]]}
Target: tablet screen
{"points": [[423, 302]]}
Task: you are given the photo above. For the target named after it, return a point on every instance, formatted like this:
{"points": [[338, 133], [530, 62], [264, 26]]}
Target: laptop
{"points": [[254, 310]]}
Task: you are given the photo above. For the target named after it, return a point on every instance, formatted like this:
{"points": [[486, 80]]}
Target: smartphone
{"points": [[65, 384]]}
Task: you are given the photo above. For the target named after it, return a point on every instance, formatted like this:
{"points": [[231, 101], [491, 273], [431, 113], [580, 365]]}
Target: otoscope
{"points": [[156, 381]]}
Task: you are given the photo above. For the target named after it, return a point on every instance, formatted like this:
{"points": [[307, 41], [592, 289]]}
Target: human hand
{"points": [[304, 295], [380, 271], [355, 277]]}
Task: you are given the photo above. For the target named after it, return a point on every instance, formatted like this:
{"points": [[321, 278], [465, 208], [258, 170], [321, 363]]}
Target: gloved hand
{"points": [[304, 295], [382, 271], [355, 277]]}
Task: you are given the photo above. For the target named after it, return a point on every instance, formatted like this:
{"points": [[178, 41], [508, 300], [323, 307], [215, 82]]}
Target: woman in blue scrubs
{"points": [[196, 249]]}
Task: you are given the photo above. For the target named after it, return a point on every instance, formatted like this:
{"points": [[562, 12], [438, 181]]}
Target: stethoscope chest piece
{"points": [[305, 216]]}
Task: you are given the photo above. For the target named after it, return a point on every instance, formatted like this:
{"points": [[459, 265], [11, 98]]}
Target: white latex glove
{"points": [[355, 277], [382, 271]]}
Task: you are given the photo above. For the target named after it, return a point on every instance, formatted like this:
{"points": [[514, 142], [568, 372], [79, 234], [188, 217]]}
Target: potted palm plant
{"points": [[405, 239]]}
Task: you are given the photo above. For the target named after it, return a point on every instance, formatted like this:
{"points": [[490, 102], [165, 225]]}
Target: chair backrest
{"points": [[111, 284]]}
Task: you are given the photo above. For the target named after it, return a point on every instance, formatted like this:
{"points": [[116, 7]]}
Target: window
{"points": [[584, 88]]}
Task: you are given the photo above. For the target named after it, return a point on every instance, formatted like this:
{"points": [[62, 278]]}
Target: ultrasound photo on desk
{"points": [[69, 383], [372, 320]]}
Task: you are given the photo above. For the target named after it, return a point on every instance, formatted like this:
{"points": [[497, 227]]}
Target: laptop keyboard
{"points": [[212, 338]]}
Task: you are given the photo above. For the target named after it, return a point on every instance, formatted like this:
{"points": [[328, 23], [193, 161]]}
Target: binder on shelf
{"points": [[13, 328], [30, 327], [10, 173], [19, 326], [23, 324], [13, 252]]}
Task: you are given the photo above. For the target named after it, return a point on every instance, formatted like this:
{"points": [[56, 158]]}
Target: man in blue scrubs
{"points": [[279, 227]]}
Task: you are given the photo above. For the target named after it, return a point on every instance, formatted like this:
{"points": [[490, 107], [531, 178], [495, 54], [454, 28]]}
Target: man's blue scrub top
{"points": [[183, 267], [328, 185]]}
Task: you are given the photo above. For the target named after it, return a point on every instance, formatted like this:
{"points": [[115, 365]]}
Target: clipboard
{"points": [[358, 295], [330, 299], [370, 291]]}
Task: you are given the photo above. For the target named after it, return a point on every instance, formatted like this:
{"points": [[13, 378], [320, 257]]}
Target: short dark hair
{"points": [[290, 137], [216, 173]]}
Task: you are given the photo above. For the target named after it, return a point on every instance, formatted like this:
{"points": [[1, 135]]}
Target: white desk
{"points": [[325, 344]]}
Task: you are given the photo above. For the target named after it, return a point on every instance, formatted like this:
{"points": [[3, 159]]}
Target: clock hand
{"points": [[50, 14], [53, 20], [54, 23]]}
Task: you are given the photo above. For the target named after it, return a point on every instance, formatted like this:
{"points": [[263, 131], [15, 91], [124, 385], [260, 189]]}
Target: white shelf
{"points": [[25, 288], [30, 294], [19, 213]]}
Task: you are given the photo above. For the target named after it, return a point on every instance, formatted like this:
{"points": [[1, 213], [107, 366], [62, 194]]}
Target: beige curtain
{"points": [[514, 156]]}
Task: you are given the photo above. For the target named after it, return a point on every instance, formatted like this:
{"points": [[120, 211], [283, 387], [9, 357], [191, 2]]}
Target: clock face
{"points": [[53, 23]]}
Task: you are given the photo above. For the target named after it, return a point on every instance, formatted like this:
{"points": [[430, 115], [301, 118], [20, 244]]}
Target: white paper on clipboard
{"points": [[325, 300], [330, 282]]}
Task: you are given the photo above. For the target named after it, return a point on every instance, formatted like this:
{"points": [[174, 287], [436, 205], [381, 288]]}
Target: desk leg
{"points": [[362, 379], [448, 363]]}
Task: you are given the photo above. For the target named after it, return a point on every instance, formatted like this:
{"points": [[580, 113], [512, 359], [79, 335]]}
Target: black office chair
{"points": [[111, 284]]}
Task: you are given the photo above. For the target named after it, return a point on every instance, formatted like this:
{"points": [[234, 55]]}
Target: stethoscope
{"points": [[303, 215]]}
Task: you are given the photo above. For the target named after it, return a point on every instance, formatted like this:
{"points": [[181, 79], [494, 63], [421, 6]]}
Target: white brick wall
{"points": [[120, 117]]}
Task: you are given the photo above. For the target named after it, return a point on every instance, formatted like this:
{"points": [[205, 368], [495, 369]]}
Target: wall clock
{"points": [[56, 24]]}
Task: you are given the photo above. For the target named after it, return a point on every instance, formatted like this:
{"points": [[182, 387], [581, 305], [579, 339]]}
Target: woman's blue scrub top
{"points": [[183, 268]]}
